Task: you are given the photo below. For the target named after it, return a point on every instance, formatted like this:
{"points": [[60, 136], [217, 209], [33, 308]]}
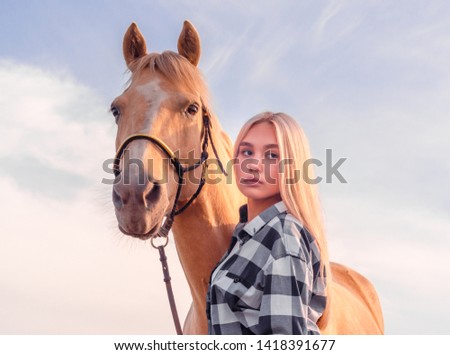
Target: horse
{"points": [[167, 99]]}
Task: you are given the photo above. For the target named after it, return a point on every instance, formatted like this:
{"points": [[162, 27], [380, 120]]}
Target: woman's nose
{"points": [[255, 164]]}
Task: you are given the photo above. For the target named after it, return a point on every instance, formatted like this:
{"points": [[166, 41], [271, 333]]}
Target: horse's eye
{"points": [[192, 109], [116, 113]]}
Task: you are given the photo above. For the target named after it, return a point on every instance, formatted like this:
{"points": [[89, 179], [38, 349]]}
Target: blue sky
{"points": [[369, 80]]}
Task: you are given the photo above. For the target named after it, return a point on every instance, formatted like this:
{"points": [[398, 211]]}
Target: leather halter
{"points": [[163, 231]]}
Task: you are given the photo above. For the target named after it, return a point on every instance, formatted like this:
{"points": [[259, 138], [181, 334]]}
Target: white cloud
{"points": [[65, 267], [335, 22], [330, 12], [54, 120]]}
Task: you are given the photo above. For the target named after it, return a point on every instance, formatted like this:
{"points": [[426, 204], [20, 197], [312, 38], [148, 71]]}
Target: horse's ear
{"points": [[189, 43], [134, 46]]}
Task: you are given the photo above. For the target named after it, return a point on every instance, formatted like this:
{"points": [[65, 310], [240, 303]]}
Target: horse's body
{"points": [[164, 99]]}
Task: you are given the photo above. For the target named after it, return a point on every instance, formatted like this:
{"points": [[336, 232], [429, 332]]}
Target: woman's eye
{"points": [[246, 152], [192, 109], [116, 113], [272, 155]]}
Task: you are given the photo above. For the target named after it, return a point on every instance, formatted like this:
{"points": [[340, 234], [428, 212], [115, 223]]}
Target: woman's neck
{"points": [[256, 206]]}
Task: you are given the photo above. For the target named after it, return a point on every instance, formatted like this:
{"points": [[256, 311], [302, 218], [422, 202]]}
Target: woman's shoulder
{"points": [[293, 225], [292, 237], [294, 229]]}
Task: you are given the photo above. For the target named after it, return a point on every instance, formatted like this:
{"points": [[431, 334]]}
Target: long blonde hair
{"points": [[300, 196]]}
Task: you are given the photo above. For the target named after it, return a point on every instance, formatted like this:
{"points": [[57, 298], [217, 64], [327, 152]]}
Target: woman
{"points": [[272, 278]]}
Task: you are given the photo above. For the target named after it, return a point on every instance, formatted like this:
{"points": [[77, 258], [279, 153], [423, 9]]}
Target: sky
{"points": [[368, 79]]}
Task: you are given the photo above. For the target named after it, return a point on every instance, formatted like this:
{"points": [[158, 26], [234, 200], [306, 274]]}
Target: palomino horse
{"points": [[166, 98]]}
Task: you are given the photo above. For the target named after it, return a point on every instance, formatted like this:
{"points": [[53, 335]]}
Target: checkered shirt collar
{"points": [[252, 227]]}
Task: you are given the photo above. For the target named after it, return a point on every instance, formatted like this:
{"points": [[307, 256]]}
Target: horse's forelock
{"points": [[177, 70], [180, 72]]}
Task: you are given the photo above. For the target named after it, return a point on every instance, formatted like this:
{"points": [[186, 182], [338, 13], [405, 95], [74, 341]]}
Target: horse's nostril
{"points": [[117, 200], [153, 195]]}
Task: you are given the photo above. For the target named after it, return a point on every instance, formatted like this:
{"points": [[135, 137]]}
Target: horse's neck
{"points": [[203, 231]]}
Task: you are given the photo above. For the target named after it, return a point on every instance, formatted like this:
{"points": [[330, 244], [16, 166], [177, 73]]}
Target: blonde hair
{"points": [[301, 198]]}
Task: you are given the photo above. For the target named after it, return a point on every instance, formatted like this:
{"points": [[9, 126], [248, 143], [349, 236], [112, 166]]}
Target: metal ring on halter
{"points": [[162, 245]]}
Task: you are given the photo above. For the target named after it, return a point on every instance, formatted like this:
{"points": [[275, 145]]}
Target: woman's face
{"points": [[256, 169]]}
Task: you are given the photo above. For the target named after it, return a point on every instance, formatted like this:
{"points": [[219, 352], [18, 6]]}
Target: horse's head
{"points": [[164, 100]]}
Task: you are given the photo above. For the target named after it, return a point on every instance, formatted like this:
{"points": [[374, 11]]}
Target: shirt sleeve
{"points": [[286, 296]]}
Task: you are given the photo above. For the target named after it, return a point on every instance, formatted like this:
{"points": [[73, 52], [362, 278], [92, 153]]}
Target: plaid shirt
{"points": [[268, 282]]}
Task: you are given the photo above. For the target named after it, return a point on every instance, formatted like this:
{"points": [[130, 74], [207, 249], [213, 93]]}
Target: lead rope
{"points": [[164, 233], [167, 279]]}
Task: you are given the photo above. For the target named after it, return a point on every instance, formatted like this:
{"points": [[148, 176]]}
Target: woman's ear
{"points": [[189, 43], [134, 46]]}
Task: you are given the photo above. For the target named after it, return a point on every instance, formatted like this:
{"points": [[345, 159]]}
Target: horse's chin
{"points": [[139, 224], [143, 236]]}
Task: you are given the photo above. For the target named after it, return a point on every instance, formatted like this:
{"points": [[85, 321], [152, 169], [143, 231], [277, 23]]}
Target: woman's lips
{"points": [[250, 181]]}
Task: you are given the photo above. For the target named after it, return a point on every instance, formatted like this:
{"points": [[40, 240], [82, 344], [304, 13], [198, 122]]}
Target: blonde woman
{"points": [[272, 280]]}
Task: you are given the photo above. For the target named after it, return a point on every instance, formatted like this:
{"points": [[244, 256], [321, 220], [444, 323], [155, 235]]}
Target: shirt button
{"points": [[236, 279]]}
